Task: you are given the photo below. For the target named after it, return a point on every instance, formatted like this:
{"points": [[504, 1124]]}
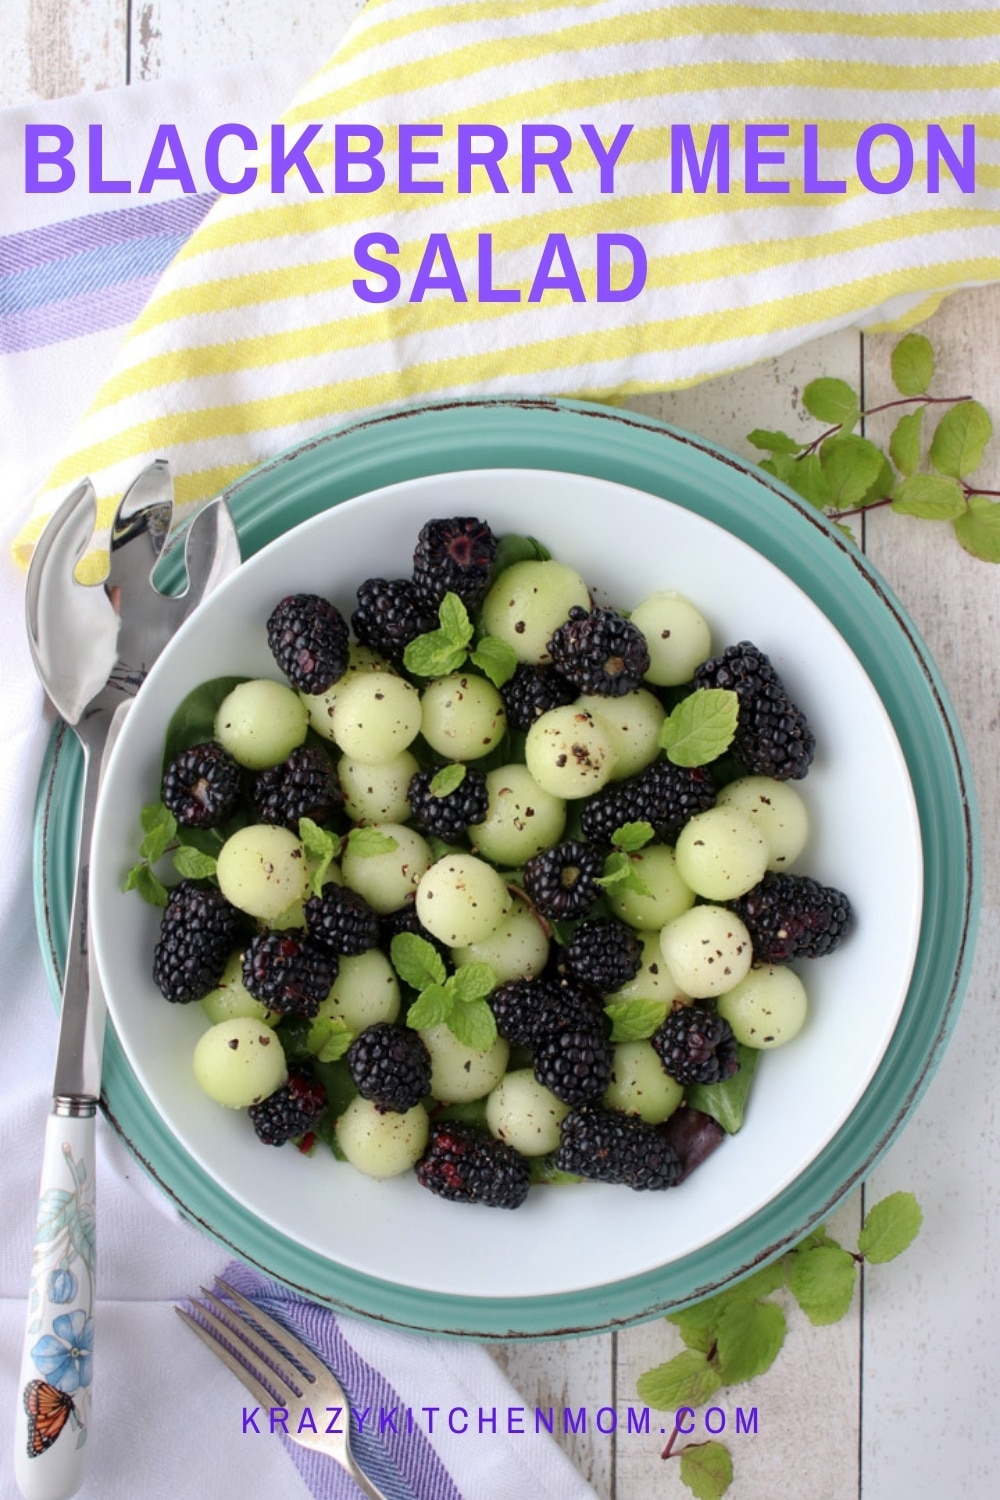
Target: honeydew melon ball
{"points": [[767, 1008], [377, 794], [365, 991], [387, 880], [518, 949], [462, 716], [639, 1086], [239, 1062], [460, 1073], [525, 1114], [260, 723], [461, 900], [382, 1145], [778, 811], [707, 951], [654, 980], [668, 895], [678, 638], [521, 819], [320, 706], [231, 998], [263, 869], [294, 916], [569, 752], [528, 603], [633, 721], [721, 853], [376, 716]]}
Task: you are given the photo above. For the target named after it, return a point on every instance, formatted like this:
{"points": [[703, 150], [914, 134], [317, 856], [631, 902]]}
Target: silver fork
{"points": [[277, 1369]]}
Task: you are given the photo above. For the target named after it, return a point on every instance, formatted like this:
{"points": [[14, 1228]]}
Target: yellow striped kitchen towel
{"points": [[533, 196]]}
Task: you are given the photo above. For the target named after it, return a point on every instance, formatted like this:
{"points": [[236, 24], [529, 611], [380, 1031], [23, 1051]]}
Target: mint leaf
{"points": [[431, 1008], [851, 465], [620, 870], [513, 548], [329, 1038], [454, 620], [321, 846], [701, 727], [473, 1023], [749, 1338], [473, 981], [726, 1102], [446, 781], [706, 1469], [889, 1227], [160, 828], [904, 445], [773, 442], [959, 439], [822, 1280], [416, 961], [633, 836], [979, 529], [433, 655], [193, 864], [831, 401], [686, 1380], [365, 843], [496, 658], [141, 878], [635, 1020], [912, 365], [932, 496]]}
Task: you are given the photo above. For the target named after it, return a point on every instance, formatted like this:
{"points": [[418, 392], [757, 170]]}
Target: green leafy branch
{"points": [[162, 836], [844, 474], [457, 1000], [437, 653], [737, 1334], [323, 847]]}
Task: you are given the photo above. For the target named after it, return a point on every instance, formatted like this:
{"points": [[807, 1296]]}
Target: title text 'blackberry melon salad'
{"points": [[498, 885]]}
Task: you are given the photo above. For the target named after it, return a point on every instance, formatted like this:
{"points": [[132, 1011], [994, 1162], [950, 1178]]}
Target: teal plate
{"points": [[632, 450]]}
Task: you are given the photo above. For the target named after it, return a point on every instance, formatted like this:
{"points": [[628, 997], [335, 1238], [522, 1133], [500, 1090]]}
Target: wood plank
{"points": [[170, 37], [51, 48]]}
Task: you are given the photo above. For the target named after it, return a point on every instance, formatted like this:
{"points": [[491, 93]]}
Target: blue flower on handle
{"points": [[62, 1285], [64, 1355]]}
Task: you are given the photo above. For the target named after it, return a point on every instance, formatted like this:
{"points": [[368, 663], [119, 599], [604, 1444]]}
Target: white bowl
{"points": [[865, 841]]}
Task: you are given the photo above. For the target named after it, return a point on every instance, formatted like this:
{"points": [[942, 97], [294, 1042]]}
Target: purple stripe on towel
{"points": [[110, 307], [35, 247], [403, 1464]]}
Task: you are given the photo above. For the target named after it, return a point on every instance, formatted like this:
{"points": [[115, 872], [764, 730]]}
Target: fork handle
{"points": [[53, 1392]]}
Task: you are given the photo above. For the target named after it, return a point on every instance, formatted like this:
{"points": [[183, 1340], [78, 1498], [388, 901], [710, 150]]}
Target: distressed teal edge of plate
{"points": [[634, 450]]}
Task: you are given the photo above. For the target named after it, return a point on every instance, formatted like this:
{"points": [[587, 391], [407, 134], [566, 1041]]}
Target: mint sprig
{"points": [[620, 870], [438, 653], [457, 1000], [163, 836], [701, 727]]}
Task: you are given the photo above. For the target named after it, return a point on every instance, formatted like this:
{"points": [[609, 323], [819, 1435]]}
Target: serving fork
{"points": [[278, 1370]]}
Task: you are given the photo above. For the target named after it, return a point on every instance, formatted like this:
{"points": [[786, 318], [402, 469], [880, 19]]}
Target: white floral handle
{"points": [[53, 1406]]}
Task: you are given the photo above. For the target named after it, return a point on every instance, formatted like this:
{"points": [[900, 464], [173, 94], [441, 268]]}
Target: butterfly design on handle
{"points": [[48, 1410]]}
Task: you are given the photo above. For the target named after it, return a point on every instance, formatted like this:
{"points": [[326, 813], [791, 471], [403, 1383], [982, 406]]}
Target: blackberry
{"points": [[532, 691], [603, 954], [201, 786], [527, 1011], [309, 640], [288, 973], [791, 916], [466, 1165], [290, 1111], [610, 1147], [599, 651], [449, 816], [695, 1045], [303, 786], [562, 881], [454, 556], [342, 921], [664, 795], [773, 737], [390, 614], [390, 1065], [198, 931], [574, 1065]]}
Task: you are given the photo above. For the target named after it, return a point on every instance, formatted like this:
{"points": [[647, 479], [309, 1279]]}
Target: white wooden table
{"points": [[898, 1400]]}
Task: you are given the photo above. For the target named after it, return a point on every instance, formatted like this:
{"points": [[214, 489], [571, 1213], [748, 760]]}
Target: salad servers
{"points": [[92, 647]]}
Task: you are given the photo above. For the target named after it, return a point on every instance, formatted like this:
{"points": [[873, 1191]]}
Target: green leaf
{"points": [[474, 1025], [431, 1008], [706, 1469], [932, 496], [329, 1038], [882, 487], [831, 401], [686, 1380], [454, 620], [472, 981], [366, 843], [851, 465], [496, 658], [160, 828], [635, 1020], [912, 365], [726, 1102], [544, 1169], [701, 727], [760, 1283], [193, 864], [633, 836], [889, 1227], [904, 445], [321, 846], [750, 1336], [513, 549], [620, 870], [803, 475], [447, 780], [193, 721], [979, 529], [822, 1281], [773, 442], [433, 655], [416, 961], [141, 878], [959, 439]]}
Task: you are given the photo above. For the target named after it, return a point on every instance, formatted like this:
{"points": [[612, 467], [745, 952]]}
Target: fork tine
{"points": [[257, 1391], [290, 1346], [231, 1328]]}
